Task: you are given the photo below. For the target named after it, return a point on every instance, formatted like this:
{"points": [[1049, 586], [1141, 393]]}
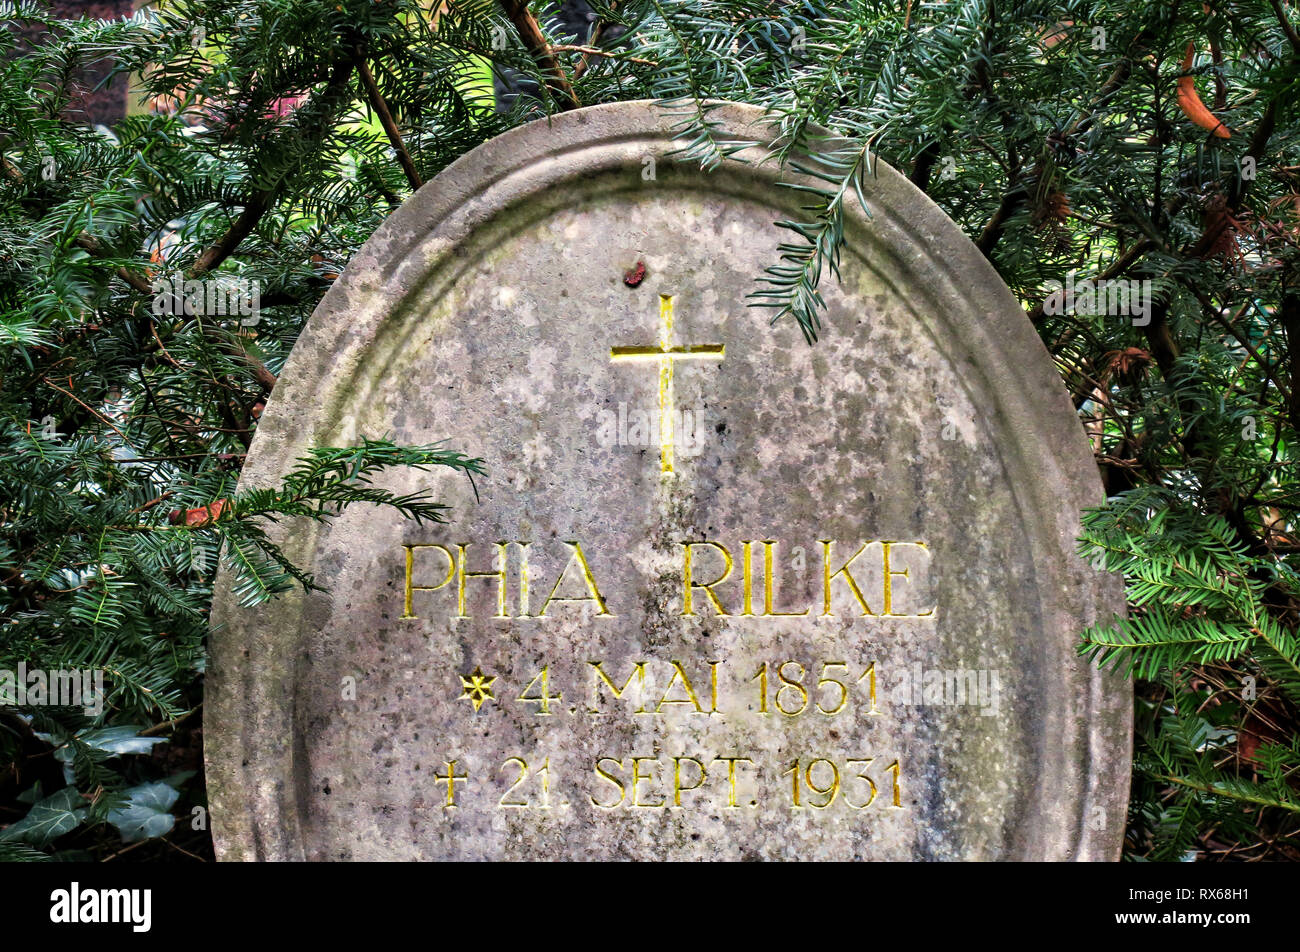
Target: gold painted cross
{"points": [[665, 354], [450, 780]]}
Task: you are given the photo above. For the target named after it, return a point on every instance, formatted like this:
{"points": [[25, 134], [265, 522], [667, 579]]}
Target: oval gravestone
{"points": [[722, 594]]}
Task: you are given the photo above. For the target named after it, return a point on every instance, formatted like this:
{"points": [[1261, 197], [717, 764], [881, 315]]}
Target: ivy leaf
{"points": [[48, 819], [145, 815], [112, 740]]}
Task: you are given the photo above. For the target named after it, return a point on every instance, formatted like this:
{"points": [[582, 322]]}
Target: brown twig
{"points": [[183, 850], [592, 51], [377, 103], [151, 503], [535, 42], [11, 171], [261, 201], [125, 849], [1216, 225], [256, 206], [261, 374], [1292, 36], [91, 244], [69, 393], [153, 329], [165, 725], [594, 39], [1117, 267]]}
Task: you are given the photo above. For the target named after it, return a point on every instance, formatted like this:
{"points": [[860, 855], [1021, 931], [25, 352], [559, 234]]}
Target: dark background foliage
{"points": [[275, 135]]}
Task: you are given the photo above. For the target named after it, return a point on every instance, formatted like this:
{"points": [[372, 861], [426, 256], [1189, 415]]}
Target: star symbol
{"points": [[478, 688]]}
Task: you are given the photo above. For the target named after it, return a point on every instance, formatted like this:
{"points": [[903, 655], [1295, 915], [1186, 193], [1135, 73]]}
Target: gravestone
{"points": [[722, 595]]}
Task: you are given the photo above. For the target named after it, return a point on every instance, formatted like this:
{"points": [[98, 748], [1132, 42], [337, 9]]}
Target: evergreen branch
{"points": [[376, 99], [535, 42], [1288, 29], [593, 51], [1240, 792]]}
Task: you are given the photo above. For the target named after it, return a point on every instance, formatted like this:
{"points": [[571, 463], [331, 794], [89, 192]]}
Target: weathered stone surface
{"points": [[488, 311]]}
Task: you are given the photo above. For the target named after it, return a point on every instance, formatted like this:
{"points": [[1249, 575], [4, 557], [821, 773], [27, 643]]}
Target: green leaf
{"points": [[49, 819], [111, 740], [145, 815]]}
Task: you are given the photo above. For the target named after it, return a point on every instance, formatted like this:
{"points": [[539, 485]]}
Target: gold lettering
{"points": [[889, 577], [411, 589], [523, 578], [638, 672], [731, 777], [747, 577], [677, 778], [499, 575], [622, 791], [679, 674], [829, 576], [637, 777], [767, 583], [689, 583], [587, 577], [523, 775]]}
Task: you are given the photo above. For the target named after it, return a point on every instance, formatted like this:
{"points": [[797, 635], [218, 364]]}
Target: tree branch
{"points": [[1289, 313], [535, 42], [923, 167], [1292, 36], [256, 206], [1012, 199], [264, 377], [1117, 267], [593, 51], [380, 107], [594, 39], [91, 244], [1217, 224], [261, 200]]}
